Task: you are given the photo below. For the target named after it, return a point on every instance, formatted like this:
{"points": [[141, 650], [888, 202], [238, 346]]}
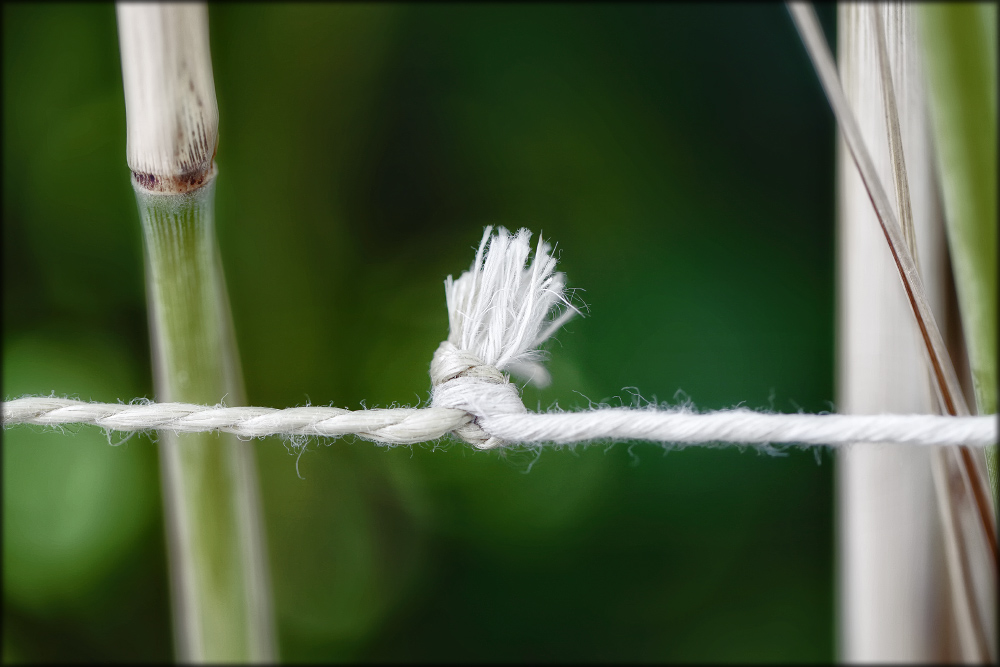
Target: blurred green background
{"points": [[682, 159]]}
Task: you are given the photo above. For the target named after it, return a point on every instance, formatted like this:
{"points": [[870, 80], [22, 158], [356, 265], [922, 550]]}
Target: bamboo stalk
{"points": [[886, 594], [892, 584], [220, 589], [959, 490]]}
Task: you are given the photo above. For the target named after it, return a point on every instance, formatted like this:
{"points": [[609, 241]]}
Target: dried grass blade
{"points": [[971, 464], [946, 380], [895, 136], [966, 508]]}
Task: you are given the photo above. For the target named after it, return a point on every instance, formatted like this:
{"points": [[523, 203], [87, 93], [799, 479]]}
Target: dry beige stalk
{"points": [[892, 584], [891, 562], [173, 118]]}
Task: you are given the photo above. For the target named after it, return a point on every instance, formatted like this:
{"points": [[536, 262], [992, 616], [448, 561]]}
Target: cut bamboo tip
{"points": [[171, 113]]}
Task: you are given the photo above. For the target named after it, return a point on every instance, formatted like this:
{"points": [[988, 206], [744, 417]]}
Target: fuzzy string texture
{"points": [[402, 426], [500, 312]]}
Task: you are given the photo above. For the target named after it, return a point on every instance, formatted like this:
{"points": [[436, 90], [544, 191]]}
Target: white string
{"points": [[499, 312], [401, 426]]}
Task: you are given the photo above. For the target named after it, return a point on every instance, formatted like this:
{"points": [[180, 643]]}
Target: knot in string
{"points": [[499, 312], [462, 382]]}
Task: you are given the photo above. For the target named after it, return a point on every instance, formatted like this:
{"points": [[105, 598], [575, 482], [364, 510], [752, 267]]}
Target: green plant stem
{"points": [[960, 42], [220, 588]]}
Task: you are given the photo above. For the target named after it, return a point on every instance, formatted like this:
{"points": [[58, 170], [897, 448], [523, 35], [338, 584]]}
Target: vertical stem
{"points": [[893, 629], [892, 595], [219, 580], [218, 570]]}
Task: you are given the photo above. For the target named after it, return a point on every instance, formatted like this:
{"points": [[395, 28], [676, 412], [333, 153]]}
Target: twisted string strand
{"points": [[400, 426]]}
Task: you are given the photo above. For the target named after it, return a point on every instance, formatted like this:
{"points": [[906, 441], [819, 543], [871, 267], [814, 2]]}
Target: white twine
{"points": [[499, 313], [401, 426]]}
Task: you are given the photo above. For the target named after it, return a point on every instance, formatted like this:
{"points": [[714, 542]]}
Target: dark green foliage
{"points": [[682, 158]]}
